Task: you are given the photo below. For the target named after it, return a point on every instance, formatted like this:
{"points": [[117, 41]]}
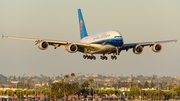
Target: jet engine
{"points": [[43, 45], [156, 47], [138, 49], [72, 48]]}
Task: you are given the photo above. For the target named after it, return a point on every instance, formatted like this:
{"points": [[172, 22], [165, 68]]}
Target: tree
{"points": [[101, 92], [0, 83], [28, 92], [129, 84], [2, 92], [84, 85], [170, 86], [66, 77], [110, 91], [177, 89], [146, 85], [174, 85], [90, 80], [118, 93], [153, 84], [49, 84], [62, 87], [62, 80], [165, 83], [136, 84], [140, 85], [160, 86], [84, 88], [153, 78], [45, 85], [132, 81], [19, 94], [135, 91], [8, 92], [72, 74]]}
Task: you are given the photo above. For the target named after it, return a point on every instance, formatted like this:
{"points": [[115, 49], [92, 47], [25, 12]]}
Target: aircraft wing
{"points": [[132, 45], [55, 43]]}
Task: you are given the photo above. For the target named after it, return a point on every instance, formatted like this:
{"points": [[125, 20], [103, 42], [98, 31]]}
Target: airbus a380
{"points": [[108, 42]]}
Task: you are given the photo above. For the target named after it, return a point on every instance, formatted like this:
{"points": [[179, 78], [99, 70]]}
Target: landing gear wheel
{"points": [[94, 57], [115, 57], [112, 57], [84, 56], [105, 57], [89, 57], [102, 57]]}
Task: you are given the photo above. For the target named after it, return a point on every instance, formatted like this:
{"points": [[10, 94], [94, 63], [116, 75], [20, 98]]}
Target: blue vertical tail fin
{"points": [[82, 26]]}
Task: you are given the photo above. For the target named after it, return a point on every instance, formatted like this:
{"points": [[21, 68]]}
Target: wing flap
{"points": [[57, 42]]}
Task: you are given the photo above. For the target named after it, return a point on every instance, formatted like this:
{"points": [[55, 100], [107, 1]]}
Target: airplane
{"points": [[108, 42]]}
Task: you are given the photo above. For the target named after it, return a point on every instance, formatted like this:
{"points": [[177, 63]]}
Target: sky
{"points": [[137, 20]]}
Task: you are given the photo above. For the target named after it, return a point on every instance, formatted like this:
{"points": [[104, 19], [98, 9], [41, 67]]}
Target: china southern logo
{"points": [[81, 24]]}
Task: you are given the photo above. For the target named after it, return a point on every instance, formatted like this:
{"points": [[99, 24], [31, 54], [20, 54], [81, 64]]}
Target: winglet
{"points": [[2, 36], [175, 40]]}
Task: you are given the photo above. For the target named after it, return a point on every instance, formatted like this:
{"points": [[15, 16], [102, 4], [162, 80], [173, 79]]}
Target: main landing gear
{"points": [[89, 57], [113, 57], [103, 57]]}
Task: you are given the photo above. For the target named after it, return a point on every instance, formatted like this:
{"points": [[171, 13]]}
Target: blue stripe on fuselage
{"points": [[113, 42]]}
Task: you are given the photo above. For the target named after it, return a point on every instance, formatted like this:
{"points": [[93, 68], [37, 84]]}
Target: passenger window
{"points": [[117, 37]]}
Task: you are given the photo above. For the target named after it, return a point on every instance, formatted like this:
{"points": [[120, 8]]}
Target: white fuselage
{"points": [[101, 36], [104, 42]]}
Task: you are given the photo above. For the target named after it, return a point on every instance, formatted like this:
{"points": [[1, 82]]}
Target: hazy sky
{"points": [[137, 20]]}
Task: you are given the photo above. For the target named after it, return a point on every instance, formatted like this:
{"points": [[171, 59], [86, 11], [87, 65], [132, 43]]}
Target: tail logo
{"points": [[81, 24]]}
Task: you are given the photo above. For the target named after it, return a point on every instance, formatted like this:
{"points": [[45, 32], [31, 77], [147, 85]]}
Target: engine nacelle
{"points": [[156, 47], [72, 48], [138, 49], [43, 45]]}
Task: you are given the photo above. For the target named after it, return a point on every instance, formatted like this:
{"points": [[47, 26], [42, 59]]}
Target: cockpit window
{"points": [[117, 37]]}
